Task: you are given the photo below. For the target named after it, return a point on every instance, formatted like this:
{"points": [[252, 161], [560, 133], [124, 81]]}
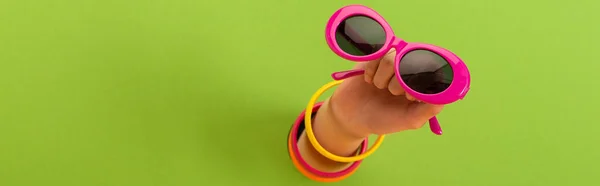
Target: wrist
{"points": [[310, 162], [335, 136], [343, 119]]}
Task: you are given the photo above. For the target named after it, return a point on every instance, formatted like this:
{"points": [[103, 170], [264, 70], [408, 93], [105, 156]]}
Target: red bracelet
{"points": [[305, 168]]}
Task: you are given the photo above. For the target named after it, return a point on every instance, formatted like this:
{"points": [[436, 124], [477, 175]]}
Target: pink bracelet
{"points": [[294, 143]]}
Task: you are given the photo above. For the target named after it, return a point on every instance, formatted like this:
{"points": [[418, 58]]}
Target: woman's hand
{"points": [[375, 103]]}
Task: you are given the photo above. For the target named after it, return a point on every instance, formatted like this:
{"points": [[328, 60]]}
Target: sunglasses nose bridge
{"points": [[398, 43]]}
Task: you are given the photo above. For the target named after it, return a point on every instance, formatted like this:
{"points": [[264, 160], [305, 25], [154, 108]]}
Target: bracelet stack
{"points": [[304, 124]]}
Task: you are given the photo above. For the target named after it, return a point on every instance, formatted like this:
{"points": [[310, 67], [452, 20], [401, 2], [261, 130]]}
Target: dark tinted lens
{"points": [[360, 36], [425, 71]]}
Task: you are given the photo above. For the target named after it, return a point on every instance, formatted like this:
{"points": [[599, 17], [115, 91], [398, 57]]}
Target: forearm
{"points": [[332, 137]]}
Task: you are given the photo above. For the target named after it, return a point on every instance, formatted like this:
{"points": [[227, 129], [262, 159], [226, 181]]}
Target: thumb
{"points": [[424, 111]]}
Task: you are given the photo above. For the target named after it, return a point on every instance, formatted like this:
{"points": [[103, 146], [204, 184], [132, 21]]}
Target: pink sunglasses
{"points": [[428, 73]]}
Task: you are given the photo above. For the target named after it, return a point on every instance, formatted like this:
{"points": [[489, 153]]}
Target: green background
{"points": [[198, 92]]}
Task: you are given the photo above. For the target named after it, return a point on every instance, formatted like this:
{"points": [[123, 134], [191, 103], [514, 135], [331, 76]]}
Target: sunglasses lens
{"points": [[425, 71], [360, 36]]}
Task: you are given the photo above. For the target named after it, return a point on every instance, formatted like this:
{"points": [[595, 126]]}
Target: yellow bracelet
{"points": [[313, 139]]}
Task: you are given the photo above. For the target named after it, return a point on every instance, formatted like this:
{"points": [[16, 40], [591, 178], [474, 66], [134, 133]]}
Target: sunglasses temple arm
{"points": [[434, 125], [346, 74]]}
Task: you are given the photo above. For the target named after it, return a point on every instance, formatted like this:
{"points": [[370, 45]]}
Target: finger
{"points": [[410, 98], [370, 70], [394, 87], [424, 111], [385, 71]]}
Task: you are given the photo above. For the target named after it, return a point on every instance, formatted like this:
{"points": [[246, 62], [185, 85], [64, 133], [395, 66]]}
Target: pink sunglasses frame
{"points": [[461, 77]]}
